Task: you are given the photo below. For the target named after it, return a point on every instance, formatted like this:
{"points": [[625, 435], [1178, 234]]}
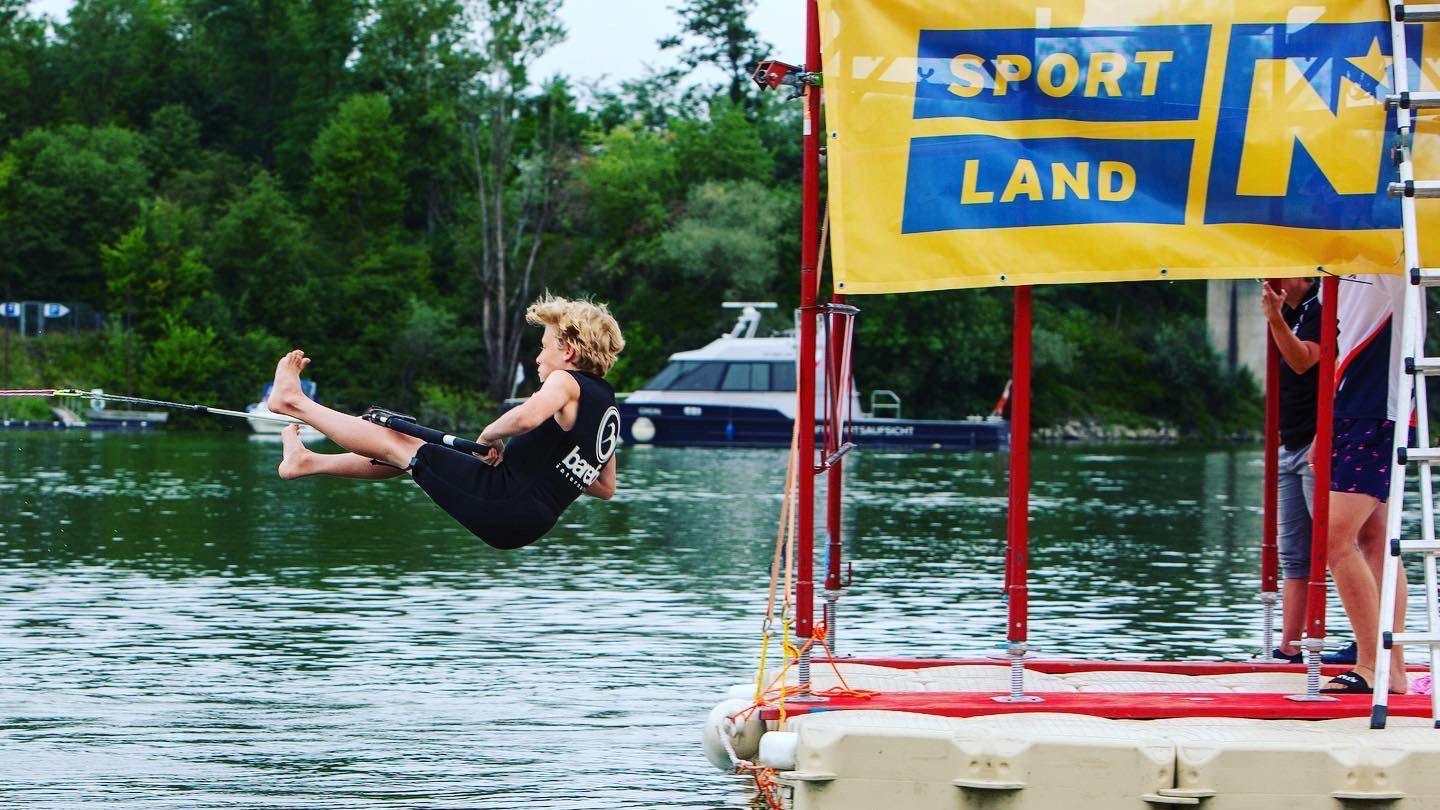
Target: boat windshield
{"points": [[709, 375]]}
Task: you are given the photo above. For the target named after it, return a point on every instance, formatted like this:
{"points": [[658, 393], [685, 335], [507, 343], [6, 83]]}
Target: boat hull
{"points": [[668, 424]]}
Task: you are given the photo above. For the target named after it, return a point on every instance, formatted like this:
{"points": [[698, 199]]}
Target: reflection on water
{"points": [[186, 630]]}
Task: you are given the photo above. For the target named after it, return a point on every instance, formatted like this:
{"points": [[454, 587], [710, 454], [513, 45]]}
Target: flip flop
{"points": [[1350, 683], [1297, 658]]}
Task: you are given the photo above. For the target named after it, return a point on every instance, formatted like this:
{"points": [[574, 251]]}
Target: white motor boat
{"points": [[269, 428]]}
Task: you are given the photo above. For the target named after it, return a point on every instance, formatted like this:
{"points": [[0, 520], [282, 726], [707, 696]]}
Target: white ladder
{"points": [[1417, 367]]}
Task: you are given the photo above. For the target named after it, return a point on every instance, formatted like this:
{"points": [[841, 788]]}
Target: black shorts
{"points": [[481, 498]]}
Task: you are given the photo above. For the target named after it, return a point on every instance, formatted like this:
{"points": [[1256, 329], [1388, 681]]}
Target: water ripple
{"points": [[185, 630]]}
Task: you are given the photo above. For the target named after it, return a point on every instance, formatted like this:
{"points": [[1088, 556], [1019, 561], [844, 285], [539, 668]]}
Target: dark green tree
{"points": [[414, 52], [355, 192], [269, 74], [154, 275], [25, 70], [64, 193], [718, 33], [724, 145], [261, 251], [121, 60], [719, 244]]}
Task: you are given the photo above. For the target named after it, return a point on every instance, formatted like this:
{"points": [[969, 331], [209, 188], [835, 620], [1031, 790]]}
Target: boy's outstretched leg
{"points": [[350, 432], [300, 461]]}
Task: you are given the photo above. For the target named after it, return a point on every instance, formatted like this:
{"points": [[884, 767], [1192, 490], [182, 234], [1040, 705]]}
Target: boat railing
{"points": [[748, 324], [886, 400]]}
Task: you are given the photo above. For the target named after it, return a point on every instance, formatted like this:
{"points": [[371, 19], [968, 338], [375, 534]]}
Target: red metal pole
{"points": [[1324, 425], [1269, 547], [809, 257], [1017, 551]]}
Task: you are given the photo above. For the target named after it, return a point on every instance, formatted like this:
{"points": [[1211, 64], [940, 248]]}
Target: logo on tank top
{"points": [[582, 473], [608, 436]]}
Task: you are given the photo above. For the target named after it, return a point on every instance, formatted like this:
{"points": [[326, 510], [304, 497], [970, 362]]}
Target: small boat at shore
{"points": [[94, 417], [100, 417]]}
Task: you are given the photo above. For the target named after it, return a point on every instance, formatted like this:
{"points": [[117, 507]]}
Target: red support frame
{"points": [[1018, 528], [1324, 428], [809, 283], [1116, 705]]}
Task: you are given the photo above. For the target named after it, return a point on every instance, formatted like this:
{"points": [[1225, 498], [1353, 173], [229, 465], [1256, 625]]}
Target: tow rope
{"points": [[398, 422], [76, 393]]}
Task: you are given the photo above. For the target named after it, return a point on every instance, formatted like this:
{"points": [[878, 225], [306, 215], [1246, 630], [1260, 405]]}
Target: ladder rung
{"points": [[1429, 366], [1405, 455], [1422, 546], [1425, 276], [1415, 188], [1417, 14], [1389, 640], [1413, 101]]}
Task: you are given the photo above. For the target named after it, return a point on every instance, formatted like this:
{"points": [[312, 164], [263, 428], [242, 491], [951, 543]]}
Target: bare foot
{"points": [[296, 454], [285, 394], [1399, 683]]}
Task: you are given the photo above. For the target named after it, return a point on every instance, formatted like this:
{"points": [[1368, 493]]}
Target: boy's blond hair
{"points": [[584, 326]]}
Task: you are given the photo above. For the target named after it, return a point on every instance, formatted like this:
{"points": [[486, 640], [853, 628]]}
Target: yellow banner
{"points": [[1000, 142]]}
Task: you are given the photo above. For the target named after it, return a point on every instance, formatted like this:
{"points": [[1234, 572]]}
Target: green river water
{"points": [[183, 629]]}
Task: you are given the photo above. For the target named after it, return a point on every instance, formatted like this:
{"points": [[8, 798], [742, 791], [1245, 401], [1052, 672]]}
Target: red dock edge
{"points": [[1111, 705]]}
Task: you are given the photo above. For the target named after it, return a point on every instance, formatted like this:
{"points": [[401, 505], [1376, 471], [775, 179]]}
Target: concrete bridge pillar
{"points": [[1237, 329]]}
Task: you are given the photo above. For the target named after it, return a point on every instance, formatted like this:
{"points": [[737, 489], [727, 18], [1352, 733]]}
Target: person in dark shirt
{"points": [[1292, 311], [562, 439]]}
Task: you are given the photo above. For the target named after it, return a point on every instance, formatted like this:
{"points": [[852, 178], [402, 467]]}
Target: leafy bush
{"points": [[460, 411]]}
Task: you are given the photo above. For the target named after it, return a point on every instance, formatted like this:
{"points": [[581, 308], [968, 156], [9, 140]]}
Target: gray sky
{"points": [[616, 38]]}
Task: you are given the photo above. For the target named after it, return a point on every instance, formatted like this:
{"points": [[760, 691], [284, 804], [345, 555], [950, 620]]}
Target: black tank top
{"points": [[559, 463]]}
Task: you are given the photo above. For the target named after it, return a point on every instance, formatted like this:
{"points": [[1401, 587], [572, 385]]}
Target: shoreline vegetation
{"points": [[384, 185], [1084, 431]]}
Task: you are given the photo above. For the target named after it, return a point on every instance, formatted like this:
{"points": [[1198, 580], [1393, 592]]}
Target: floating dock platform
{"points": [[1102, 735]]}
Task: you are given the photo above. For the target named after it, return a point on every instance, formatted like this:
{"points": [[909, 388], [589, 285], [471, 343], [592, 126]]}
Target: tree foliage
{"points": [[718, 33], [385, 184]]}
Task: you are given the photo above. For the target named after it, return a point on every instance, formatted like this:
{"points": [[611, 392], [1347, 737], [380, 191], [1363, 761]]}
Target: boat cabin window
{"points": [[688, 375], [746, 377], [703, 375]]}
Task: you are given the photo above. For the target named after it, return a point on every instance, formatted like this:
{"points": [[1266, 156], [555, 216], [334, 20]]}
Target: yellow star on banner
{"points": [[1373, 63]]}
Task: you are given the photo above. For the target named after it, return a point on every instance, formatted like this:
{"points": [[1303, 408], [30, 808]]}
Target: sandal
{"points": [[1297, 658], [1350, 683]]}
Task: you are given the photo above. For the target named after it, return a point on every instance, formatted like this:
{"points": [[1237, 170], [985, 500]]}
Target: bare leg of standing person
{"points": [[1293, 599], [1355, 581], [1373, 546]]}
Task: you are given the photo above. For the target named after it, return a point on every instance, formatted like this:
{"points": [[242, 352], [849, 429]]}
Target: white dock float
{"points": [[860, 759]]}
